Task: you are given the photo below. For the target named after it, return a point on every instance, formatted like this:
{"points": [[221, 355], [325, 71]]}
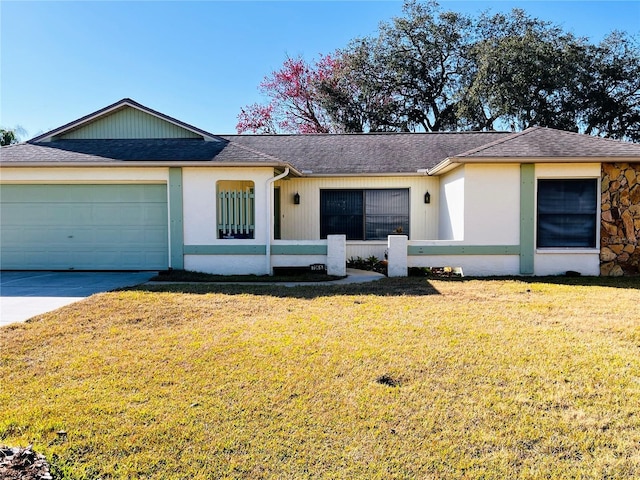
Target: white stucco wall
{"points": [[558, 262], [492, 204], [227, 264], [451, 208], [471, 265], [480, 204], [199, 203]]}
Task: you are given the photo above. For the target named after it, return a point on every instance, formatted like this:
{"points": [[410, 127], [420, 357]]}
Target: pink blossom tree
{"points": [[295, 104]]}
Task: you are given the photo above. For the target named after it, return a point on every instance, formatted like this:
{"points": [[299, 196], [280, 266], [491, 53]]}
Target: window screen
{"points": [[364, 214], [567, 211]]}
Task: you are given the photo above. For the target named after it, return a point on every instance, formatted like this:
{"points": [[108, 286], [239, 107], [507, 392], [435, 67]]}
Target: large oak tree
{"points": [[435, 70]]}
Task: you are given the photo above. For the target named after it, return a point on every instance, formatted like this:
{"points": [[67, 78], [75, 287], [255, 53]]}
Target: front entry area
{"points": [[83, 227]]}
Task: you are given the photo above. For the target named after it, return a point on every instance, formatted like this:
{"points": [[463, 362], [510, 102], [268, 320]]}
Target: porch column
{"points": [[397, 255], [337, 255]]}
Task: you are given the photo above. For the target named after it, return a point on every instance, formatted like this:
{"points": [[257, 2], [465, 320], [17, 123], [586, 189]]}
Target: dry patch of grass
{"points": [[396, 379]]}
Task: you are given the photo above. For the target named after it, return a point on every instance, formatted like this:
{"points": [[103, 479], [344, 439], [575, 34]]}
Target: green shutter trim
{"points": [[413, 250], [176, 229], [298, 249], [527, 217], [225, 249]]}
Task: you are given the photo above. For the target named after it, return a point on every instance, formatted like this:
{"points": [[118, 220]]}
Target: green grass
{"points": [[400, 378]]}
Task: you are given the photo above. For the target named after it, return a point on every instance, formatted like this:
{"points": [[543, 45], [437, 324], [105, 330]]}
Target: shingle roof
{"points": [[331, 154], [547, 143], [146, 150], [365, 153]]}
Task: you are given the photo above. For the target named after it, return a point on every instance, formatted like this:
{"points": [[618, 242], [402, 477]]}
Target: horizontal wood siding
{"points": [[129, 123], [302, 222]]}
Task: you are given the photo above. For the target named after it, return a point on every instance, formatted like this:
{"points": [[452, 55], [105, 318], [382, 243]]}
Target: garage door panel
{"points": [[155, 214], [14, 236], [29, 214], [84, 227], [134, 235]]}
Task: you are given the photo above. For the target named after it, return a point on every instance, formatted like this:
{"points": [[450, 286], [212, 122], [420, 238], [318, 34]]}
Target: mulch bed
{"points": [[23, 464]]}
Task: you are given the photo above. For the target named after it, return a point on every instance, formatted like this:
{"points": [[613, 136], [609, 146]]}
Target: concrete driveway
{"points": [[26, 294]]}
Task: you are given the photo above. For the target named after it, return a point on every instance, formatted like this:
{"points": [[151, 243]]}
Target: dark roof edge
{"points": [[150, 163], [230, 136]]}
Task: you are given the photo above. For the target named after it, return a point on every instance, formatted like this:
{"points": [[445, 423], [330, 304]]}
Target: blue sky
{"points": [[202, 61]]}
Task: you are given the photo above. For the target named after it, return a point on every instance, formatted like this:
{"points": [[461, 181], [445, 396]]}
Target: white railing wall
{"points": [[330, 252], [236, 212]]}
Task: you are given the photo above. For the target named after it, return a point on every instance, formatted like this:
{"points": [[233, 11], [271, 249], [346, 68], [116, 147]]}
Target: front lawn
{"points": [[400, 378]]}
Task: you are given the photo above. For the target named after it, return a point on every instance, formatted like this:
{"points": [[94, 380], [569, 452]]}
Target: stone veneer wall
{"points": [[620, 220]]}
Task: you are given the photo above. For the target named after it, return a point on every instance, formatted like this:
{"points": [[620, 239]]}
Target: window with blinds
{"points": [[364, 214], [567, 213]]}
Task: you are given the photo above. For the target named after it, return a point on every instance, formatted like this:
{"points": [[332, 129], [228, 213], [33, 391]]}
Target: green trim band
{"points": [[225, 249], [527, 217], [298, 249], [176, 221], [413, 250]]}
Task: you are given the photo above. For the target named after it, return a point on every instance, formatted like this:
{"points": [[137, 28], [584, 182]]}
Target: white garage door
{"points": [[83, 227]]}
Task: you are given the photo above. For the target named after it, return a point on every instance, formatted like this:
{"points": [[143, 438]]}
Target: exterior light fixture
{"points": [[296, 199], [427, 197]]}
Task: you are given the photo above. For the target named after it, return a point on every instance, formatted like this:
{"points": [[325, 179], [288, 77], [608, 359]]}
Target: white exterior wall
{"points": [[477, 204], [227, 264], [302, 222], [199, 203], [199, 187], [451, 208], [492, 204], [558, 262], [297, 260], [554, 261], [471, 265]]}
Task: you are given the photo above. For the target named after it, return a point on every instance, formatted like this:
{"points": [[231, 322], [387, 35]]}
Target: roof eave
{"points": [[151, 163], [444, 166], [364, 174], [573, 159], [450, 163]]}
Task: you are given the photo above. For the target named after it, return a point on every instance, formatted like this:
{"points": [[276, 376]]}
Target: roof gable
{"points": [[127, 123], [125, 119]]}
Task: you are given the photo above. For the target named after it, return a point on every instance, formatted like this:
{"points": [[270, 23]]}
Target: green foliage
{"points": [[7, 137], [437, 70], [609, 88], [407, 78], [524, 76]]}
